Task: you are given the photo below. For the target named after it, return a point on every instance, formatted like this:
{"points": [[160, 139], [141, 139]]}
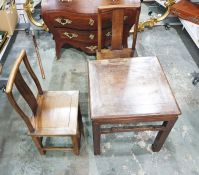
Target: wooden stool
{"points": [[132, 90], [54, 113]]}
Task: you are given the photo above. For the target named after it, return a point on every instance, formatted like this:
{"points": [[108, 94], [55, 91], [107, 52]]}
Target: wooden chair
{"points": [[118, 48], [54, 113]]}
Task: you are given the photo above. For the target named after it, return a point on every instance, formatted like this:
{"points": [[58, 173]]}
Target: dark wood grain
{"points": [[79, 16], [26, 92], [117, 29], [130, 90]]}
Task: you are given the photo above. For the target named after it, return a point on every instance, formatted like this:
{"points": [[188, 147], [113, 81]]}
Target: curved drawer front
{"points": [[76, 21], [82, 36], [82, 21], [91, 48]]}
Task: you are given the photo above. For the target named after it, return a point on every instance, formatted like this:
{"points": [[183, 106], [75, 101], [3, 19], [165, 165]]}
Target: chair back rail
{"points": [[118, 12], [25, 91], [20, 111], [117, 29]]}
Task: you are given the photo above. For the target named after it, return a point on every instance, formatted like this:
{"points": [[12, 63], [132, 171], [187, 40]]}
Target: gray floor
{"points": [[124, 153]]}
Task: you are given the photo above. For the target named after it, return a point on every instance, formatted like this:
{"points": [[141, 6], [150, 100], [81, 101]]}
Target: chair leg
{"points": [[76, 143], [38, 144]]}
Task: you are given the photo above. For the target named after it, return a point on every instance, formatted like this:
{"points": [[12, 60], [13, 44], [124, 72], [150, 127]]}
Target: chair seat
{"points": [[110, 54], [57, 114]]}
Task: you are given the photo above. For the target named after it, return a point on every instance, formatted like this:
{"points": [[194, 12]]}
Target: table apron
{"points": [[132, 128], [104, 121]]}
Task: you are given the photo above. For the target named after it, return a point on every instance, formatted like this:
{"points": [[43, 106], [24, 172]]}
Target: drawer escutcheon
{"points": [[125, 18], [92, 48], [108, 34], [91, 36], [91, 22], [71, 35], [63, 21]]}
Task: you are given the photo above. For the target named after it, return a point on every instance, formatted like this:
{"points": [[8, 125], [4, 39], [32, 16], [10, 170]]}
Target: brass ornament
{"points": [[91, 22], [108, 34], [71, 35], [152, 21], [29, 9], [125, 18], [91, 36], [63, 21], [92, 48]]}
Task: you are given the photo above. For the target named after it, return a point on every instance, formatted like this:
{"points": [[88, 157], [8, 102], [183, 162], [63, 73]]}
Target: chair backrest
{"points": [[118, 16], [16, 79]]}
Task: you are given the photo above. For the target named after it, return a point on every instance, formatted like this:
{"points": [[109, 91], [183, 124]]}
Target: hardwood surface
{"points": [[54, 113], [118, 48], [129, 87], [124, 91], [75, 22]]}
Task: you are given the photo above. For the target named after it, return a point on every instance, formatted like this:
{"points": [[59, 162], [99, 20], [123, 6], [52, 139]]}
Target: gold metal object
{"points": [[91, 36], [125, 18], [71, 35], [91, 48], [108, 34], [91, 22], [63, 21], [29, 9], [152, 21]]}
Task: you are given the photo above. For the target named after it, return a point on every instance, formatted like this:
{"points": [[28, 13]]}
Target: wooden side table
{"points": [[127, 91]]}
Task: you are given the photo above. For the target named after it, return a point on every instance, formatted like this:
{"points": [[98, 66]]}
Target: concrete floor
{"points": [[124, 153]]}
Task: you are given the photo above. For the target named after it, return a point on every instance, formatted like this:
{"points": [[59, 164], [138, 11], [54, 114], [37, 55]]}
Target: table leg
{"points": [[96, 138], [162, 135]]}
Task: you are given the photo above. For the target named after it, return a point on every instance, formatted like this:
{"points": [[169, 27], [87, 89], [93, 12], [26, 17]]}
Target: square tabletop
{"points": [[129, 87]]}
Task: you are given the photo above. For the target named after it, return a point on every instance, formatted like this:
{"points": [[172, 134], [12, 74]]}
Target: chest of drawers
{"points": [[75, 22]]}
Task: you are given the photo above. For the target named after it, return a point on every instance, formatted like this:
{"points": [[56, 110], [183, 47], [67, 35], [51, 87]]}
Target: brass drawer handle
{"points": [[92, 48], [91, 22], [71, 35], [108, 34], [91, 36], [63, 21], [125, 18]]}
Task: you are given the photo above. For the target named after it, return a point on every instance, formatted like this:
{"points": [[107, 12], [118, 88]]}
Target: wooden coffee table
{"points": [[131, 90]]}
